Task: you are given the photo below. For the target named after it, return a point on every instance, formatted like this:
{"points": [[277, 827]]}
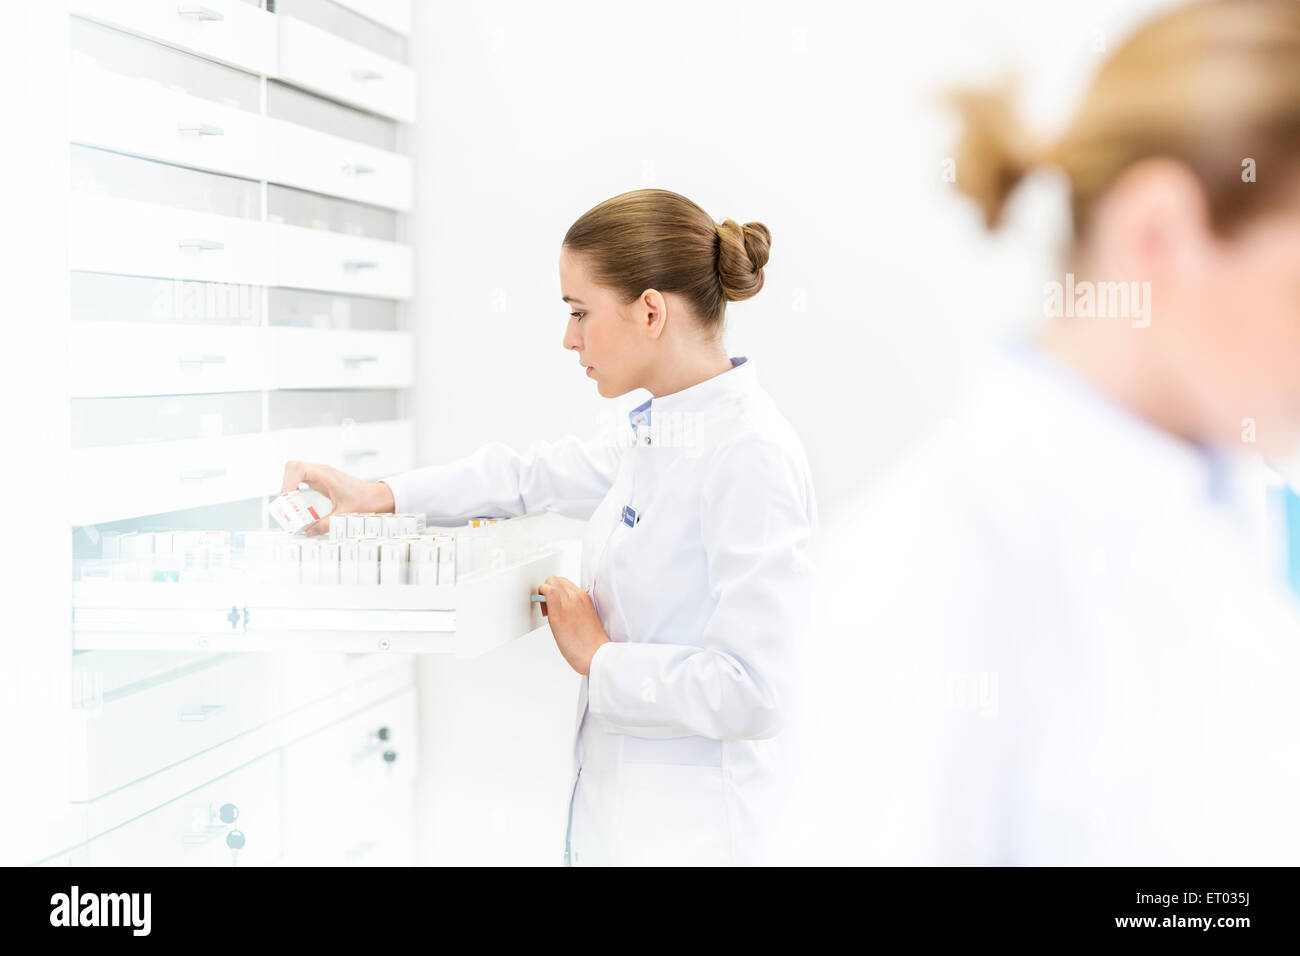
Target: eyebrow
{"points": [[570, 299]]}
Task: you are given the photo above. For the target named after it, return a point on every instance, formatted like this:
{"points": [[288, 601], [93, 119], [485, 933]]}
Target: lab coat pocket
{"points": [[673, 815]]}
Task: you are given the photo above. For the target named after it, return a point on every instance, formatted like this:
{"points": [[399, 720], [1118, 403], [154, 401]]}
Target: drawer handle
{"points": [[359, 359], [199, 12], [202, 245], [357, 169], [358, 455], [203, 713], [367, 75], [203, 360], [202, 129], [199, 474], [358, 264]]}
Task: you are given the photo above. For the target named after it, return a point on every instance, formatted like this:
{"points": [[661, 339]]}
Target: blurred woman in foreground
{"points": [[1069, 650]]}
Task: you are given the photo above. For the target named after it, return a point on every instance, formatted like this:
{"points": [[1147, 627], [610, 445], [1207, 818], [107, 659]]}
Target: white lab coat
{"points": [[1051, 637], [704, 595]]}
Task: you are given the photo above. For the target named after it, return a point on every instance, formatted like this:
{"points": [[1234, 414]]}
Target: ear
{"points": [[1157, 216], [652, 312]]}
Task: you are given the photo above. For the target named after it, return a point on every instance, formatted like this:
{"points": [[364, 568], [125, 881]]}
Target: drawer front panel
{"points": [[333, 262], [310, 358], [144, 239], [319, 61], [230, 31], [336, 166], [349, 789], [119, 481], [192, 830], [168, 359], [128, 737], [144, 119]]}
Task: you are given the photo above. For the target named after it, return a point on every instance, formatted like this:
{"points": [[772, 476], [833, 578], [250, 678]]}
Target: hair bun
{"points": [[742, 253]]}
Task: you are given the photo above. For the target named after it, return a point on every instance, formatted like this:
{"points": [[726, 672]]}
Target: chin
{"points": [[610, 391]]}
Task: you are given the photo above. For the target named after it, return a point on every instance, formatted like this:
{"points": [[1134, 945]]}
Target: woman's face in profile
{"points": [[601, 329]]}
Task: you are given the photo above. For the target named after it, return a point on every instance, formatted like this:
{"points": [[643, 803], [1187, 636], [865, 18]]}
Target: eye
{"points": [[577, 315]]}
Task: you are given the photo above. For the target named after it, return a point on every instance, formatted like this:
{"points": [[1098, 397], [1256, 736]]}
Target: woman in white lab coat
{"points": [[1063, 644], [695, 579]]}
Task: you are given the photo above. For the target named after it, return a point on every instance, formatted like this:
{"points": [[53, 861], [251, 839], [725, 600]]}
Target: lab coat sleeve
{"points": [[757, 518], [569, 476]]}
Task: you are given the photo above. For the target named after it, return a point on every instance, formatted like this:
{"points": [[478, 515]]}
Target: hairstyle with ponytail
{"points": [[1213, 84]]}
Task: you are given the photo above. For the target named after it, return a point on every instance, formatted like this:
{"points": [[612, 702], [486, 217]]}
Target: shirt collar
{"points": [[736, 380]]}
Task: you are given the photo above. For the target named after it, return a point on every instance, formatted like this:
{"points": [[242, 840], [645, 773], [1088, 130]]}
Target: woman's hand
{"points": [[574, 622], [349, 495]]}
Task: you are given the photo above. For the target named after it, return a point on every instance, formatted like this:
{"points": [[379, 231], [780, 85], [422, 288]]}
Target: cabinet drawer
{"points": [[368, 450], [136, 238], [356, 265], [124, 738], [144, 119], [192, 829], [324, 63], [123, 481], [230, 31], [394, 14], [349, 790], [330, 164], [316, 358], [168, 359]]}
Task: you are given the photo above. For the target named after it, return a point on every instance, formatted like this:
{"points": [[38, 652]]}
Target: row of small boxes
{"points": [[412, 559], [372, 525]]}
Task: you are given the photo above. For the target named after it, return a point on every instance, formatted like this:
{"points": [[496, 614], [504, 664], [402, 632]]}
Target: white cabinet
{"points": [[324, 63], [228, 156], [199, 827], [312, 358], [163, 359], [229, 31]]}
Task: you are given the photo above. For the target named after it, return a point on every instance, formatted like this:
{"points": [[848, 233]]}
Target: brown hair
{"points": [[656, 239], [1211, 84]]}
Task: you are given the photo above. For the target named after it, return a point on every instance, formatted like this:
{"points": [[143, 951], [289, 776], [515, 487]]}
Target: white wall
{"points": [[816, 118], [35, 673]]}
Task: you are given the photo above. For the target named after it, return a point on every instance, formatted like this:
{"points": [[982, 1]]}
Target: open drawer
{"points": [[471, 617]]}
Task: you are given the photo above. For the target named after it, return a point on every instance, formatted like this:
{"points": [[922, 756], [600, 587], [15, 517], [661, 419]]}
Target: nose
{"points": [[572, 335]]}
